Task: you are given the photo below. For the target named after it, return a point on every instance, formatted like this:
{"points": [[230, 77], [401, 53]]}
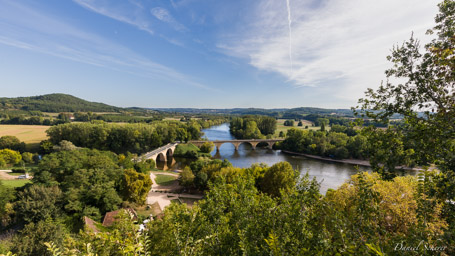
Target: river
{"points": [[329, 174]]}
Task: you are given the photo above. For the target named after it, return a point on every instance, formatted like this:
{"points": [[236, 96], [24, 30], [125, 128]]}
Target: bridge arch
{"points": [[169, 152], [218, 144], [160, 157], [253, 144], [264, 143]]}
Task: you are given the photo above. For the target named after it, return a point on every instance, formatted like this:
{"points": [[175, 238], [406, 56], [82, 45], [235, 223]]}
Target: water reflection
{"points": [[331, 175]]}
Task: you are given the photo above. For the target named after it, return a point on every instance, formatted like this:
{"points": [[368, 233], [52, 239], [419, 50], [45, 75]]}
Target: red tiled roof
{"points": [[109, 218]]}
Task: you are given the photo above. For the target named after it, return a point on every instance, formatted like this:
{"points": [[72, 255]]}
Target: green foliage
{"points": [[38, 203], [387, 151], [56, 102], [46, 147], [89, 179], [12, 142], [278, 179], [30, 240], [9, 157], [332, 144], [136, 186], [144, 166], [27, 157], [6, 208], [65, 145], [122, 238], [252, 127], [207, 147], [122, 138], [288, 123], [186, 178], [186, 150]]}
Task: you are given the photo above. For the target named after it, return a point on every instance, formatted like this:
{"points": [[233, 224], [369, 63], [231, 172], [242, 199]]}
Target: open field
{"points": [[25, 133], [280, 126]]}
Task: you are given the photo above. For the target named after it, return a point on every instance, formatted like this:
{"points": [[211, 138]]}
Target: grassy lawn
{"points": [[164, 180], [15, 183], [145, 211], [27, 133]]}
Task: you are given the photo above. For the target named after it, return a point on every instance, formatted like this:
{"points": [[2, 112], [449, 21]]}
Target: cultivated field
{"points": [[27, 133]]}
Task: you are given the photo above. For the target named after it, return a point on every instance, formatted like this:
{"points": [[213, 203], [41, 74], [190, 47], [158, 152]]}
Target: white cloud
{"points": [[164, 15], [341, 44]]}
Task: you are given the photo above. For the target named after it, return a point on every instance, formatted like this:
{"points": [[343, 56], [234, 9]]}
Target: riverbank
{"points": [[358, 162], [344, 161]]}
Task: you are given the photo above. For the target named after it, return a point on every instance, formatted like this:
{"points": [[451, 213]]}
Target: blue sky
{"points": [[204, 53]]}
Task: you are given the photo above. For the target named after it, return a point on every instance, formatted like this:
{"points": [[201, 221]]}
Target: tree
{"points": [[38, 203], [65, 145], [144, 166], [46, 147], [9, 157], [278, 179], [267, 125], [322, 127], [420, 86], [207, 147], [6, 196], [30, 240], [288, 123], [27, 157], [322, 121], [252, 131], [186, 177], [136, 186], [426, 98], [12, 142]]}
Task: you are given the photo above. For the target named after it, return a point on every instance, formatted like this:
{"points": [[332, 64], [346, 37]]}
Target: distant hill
{"points": [[277, 112], [56, 102]]}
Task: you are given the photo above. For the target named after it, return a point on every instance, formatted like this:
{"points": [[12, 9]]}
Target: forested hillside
{"points": [[56, 102]]}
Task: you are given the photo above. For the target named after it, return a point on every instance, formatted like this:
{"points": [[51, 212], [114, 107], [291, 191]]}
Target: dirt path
{"points": [[5, 176]]}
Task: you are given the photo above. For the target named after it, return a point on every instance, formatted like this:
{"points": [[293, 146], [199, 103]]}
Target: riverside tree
{"points": [[426, 100]]}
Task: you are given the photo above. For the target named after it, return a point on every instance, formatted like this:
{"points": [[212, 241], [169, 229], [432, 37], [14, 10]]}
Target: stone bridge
{"points": [[166, 151], [161, 153], [237, 143]]}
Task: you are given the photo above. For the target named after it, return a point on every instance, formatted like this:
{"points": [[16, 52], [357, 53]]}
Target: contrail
{"points": [[290, 33]]}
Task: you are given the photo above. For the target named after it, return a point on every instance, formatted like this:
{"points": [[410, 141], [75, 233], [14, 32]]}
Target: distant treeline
{"points": [[277, 113], [122, 138], [341, 142], [252, 127]]}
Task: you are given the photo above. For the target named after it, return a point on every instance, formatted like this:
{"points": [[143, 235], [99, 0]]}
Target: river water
{"points": [[329, 174]]}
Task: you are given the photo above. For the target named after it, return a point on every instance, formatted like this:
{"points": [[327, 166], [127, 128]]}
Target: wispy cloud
{"points": [[44, 34], [342, 44], [164, 16], [129, 12]]}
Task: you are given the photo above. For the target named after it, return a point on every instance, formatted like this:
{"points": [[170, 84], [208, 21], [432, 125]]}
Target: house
{"points": [[91, 224], [109, 218]]}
